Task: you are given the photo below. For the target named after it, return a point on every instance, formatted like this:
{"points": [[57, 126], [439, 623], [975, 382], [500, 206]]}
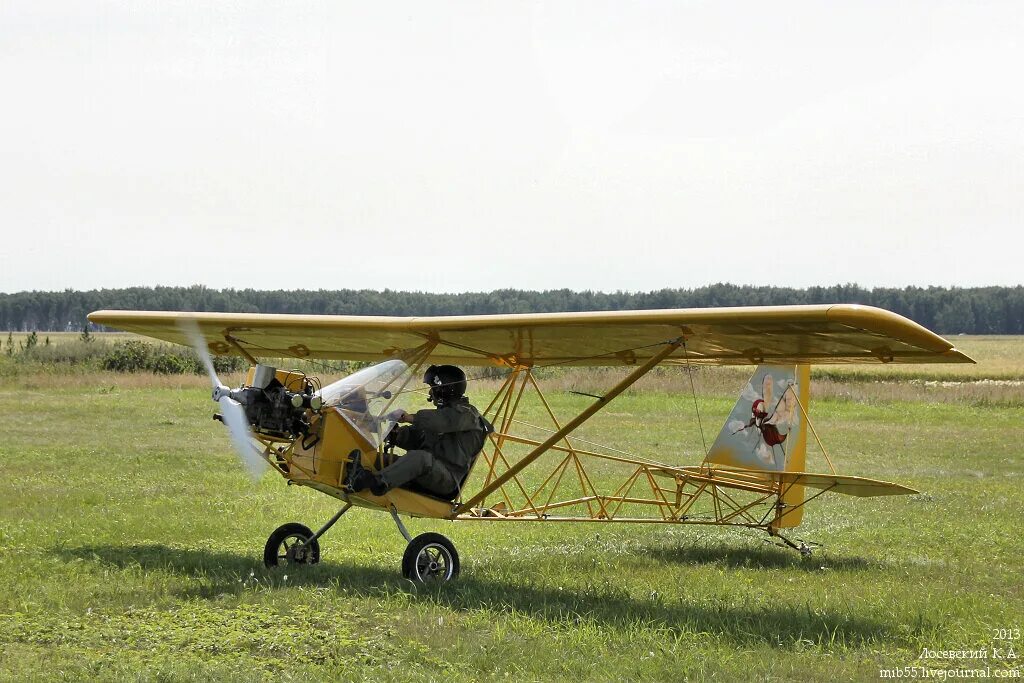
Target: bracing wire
{"points": [[693, 392], [578, 439]]}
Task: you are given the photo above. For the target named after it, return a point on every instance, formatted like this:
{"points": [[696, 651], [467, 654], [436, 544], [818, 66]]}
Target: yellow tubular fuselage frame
{"points": [[669, 494]]}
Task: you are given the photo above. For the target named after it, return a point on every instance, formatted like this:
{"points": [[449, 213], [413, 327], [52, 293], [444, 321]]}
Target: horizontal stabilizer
{"points": [[835, 483]]}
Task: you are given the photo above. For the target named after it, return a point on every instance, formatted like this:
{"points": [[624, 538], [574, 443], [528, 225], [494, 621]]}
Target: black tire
{"points": [[287, 545], [430, 558]]}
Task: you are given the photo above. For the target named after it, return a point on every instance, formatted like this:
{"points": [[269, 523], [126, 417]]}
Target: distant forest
{"points": [[981, 310]]}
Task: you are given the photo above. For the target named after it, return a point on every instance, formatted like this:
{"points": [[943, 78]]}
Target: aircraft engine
{"points": [[276, 401]]}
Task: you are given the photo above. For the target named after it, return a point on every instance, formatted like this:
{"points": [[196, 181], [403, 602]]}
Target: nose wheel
{"points": [[430, 558], [291, 543]]}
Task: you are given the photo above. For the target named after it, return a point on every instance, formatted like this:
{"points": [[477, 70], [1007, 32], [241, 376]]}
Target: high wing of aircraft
{"points": [[752, 475]]}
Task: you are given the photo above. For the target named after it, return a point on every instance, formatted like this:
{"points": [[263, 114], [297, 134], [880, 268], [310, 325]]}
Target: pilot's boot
{"points": [[358, 478]]}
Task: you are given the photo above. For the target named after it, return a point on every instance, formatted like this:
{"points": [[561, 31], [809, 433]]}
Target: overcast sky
{"points": [[471, 146]]}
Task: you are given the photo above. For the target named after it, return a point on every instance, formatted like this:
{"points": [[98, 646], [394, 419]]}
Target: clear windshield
{"points": [[366, 398]]}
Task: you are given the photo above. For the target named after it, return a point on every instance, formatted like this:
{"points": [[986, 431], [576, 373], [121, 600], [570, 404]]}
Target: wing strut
{"points": [[235, 342]]}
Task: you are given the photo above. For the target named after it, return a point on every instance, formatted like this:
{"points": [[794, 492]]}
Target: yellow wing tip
{"points": [[955, 355]]}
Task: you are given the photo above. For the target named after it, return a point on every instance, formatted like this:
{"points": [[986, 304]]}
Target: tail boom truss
{"points": [[573, 484]]}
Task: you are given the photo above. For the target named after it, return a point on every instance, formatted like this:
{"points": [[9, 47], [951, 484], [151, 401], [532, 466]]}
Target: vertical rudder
{"points": [[792, 510]]}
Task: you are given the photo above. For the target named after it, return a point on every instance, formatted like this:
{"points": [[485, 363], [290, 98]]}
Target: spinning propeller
{"points": [[232, 412]]}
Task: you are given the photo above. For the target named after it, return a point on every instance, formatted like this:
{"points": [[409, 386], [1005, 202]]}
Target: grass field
{"points": [[131, 542]]}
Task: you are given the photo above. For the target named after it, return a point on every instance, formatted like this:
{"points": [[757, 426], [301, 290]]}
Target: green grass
{"points": [[131, 543]]}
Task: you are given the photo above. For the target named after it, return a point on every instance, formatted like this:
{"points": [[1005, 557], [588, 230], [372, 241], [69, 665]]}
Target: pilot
{"points": [[440, 443]]}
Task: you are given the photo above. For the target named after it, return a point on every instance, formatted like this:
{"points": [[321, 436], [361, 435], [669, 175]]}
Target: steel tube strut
{"points": [[330, 523], [234, 342], [401, 527], [572, 424]]}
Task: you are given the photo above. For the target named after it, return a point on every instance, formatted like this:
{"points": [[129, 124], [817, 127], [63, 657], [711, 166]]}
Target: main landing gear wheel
{"points": [[430, 558], [288, 545]]}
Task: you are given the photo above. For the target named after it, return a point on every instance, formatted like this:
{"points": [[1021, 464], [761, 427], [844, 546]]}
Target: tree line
{"points": [[978, 310]]}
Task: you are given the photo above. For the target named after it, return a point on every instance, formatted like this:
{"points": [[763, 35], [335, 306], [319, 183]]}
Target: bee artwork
{"points": [[768, 416], [764, 423]]}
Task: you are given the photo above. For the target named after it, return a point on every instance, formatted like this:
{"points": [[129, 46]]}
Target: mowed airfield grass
{"points": [[131, 548]]}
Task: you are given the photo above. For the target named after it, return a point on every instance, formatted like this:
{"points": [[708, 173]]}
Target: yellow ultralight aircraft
{"points": [[752, 475]]}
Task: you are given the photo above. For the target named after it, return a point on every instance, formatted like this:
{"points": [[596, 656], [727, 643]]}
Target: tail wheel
{"points": [[290, 544], [430, 558]]}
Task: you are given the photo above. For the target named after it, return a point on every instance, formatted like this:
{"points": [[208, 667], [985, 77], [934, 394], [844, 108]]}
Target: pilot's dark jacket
{"points": [[441, 444]]}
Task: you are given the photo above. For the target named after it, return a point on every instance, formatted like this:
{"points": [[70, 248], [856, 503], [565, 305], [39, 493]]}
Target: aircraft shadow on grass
{"points": [[777, 624], [764, 557]]}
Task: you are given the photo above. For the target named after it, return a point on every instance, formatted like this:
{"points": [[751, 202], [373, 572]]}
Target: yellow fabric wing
{"points": [[713, 336]]}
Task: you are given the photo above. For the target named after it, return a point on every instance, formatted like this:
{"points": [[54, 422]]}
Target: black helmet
{"points": [[447, 382]]}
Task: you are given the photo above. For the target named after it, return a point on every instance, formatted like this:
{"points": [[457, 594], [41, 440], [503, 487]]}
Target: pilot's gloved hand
{"points": [[399, 415]]}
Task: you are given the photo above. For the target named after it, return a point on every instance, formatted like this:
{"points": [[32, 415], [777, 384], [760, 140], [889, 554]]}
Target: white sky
{"points": [[471, 146]]}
